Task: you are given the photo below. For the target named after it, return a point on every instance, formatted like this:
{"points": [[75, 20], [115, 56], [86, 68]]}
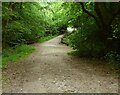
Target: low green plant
{"points": [[43, 39], [66, 39], [114, 59], [86, 41], [16, 53]]}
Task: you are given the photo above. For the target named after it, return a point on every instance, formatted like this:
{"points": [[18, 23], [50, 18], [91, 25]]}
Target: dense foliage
{"points": [[98, 31], [27, 22], [19, 23], [97, 24]]}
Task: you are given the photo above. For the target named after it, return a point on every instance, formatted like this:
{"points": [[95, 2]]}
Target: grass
{"points": [[43, 39], [16, 53]]}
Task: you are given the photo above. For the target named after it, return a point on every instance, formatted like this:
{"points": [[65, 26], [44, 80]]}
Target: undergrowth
{"points": [[43, 39], [20, 51], [16, 53]]}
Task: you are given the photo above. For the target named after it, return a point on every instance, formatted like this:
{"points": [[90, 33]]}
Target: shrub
{"points": [[113, 58], [15, 53], [86, 40]]}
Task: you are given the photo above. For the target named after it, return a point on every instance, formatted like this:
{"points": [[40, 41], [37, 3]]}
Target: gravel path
{"points": [[51, 70]]}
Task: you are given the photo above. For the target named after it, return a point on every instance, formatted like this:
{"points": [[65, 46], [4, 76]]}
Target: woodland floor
{"points": [[51, 70]]}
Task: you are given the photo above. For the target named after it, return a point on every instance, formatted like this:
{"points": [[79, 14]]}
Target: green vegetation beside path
{"points": [[20, 51], [43, 39], [94, 27], [16, 53]]}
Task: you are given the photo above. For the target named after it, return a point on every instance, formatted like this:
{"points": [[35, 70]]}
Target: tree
{"points": [[106, 13]]}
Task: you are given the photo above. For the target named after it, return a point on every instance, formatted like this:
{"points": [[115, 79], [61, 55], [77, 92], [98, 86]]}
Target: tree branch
{"points": [[87, 12]]}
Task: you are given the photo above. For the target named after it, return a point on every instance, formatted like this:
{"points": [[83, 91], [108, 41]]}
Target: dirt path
{"points": [[51, 70]]}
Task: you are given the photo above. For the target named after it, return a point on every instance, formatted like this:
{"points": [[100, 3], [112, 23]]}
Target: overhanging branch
{"points": [[87, 12]]}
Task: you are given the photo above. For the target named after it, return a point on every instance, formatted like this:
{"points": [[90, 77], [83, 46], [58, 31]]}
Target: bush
{"points": [[15, 53], [86, 40], [66, 38], [114, 59]]}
